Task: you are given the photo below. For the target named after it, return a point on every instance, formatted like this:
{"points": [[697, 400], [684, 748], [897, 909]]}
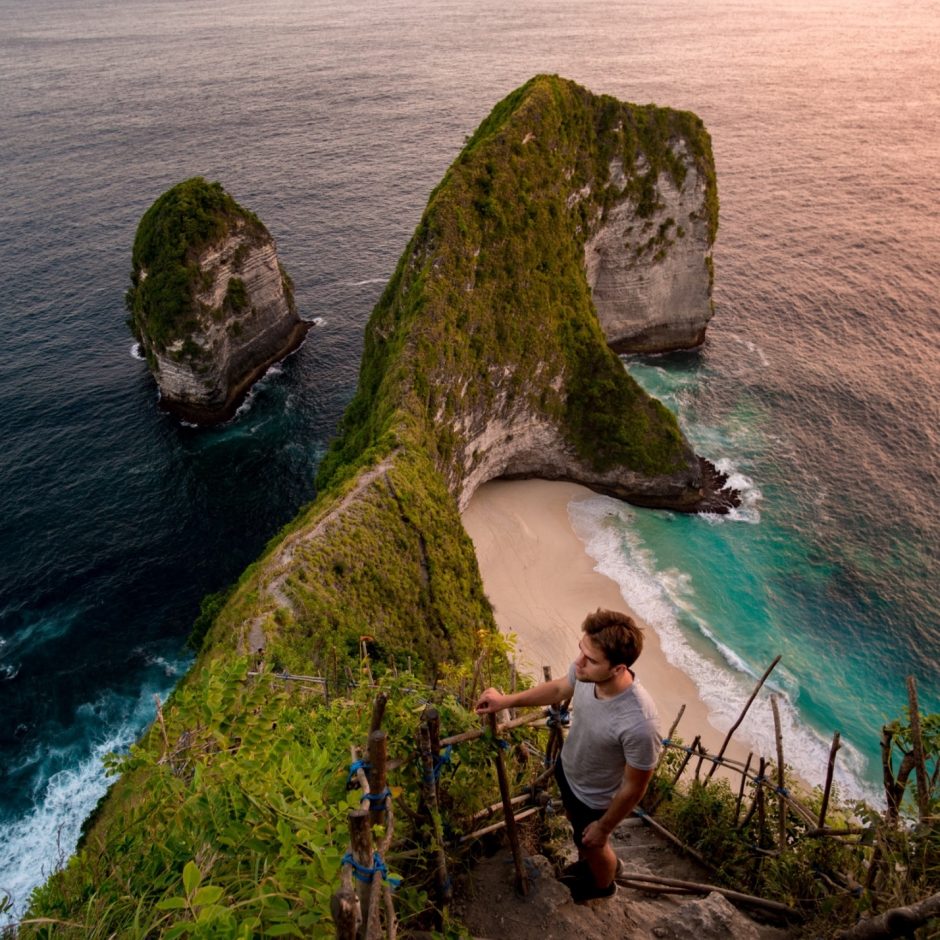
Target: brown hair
{"points": [[617, 634]]}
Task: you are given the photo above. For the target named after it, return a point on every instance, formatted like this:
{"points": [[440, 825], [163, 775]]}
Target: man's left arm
{"points": [[625, 799]]}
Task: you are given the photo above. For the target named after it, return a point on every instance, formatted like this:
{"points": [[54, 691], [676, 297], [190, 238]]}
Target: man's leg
{"points": [[602, 863]]}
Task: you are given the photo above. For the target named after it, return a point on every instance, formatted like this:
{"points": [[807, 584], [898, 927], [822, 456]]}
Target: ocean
{"points": [[817, 388]]}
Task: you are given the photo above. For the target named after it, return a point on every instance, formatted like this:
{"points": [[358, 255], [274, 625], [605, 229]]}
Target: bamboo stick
{"points": [[773, 906], [522, 884], [675, 840], [782, 805], [830, 768], [675, 724], [737, 805], [492, 808], [734, 727], [464, 736], [498, 825]]}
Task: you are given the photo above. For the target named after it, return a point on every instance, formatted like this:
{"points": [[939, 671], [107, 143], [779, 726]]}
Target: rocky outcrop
{"points": [[223, 309], [650, 273]]}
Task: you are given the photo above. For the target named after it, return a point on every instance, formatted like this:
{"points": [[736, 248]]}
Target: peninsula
{"points": [[484, 358], [209, 303]]}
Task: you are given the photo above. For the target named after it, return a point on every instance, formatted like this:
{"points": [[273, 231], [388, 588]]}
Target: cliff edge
{"points": [[209, 302]]}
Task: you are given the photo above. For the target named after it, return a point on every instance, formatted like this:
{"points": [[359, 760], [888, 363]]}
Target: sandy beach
{"points": [[541, 583]]}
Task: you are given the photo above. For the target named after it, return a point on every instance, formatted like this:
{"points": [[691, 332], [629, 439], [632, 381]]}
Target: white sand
{"points": [[542, 583]]}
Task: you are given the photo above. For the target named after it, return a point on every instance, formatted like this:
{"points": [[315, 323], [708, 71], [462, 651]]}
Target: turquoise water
{"points": [[334, 121], [728, 594]]}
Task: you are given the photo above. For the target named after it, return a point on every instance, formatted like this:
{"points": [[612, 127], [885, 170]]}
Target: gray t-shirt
{"points": [[606, 734]]}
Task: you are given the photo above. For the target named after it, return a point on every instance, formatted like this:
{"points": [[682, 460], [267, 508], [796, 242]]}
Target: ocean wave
{"points": [[39, 842], [368, 280], [136, 353], [725, 681]]}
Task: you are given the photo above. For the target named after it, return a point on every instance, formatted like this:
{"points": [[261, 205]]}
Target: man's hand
{"points": [[490, 701], [595, 836]]}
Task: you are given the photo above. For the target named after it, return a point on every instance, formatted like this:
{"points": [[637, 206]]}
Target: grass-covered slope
{"points": [[488, 309], [183, 220]]}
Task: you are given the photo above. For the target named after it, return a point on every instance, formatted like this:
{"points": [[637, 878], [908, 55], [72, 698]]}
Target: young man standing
{"points": [[613, 746]]}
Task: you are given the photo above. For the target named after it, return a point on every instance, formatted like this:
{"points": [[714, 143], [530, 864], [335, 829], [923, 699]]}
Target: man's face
{"points": [[591, 664]]}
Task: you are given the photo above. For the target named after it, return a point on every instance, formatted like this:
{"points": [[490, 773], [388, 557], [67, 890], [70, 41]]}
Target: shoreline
{"points": [[541, 583]]}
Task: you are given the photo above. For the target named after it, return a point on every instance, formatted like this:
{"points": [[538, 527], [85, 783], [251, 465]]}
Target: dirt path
{"points": [[489, 906]]}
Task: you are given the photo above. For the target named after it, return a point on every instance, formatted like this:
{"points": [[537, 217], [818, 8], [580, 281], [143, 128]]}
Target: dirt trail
{"points": [[489, 906]]}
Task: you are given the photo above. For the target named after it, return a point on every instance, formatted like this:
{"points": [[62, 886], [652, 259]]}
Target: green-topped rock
{"points": [[209, 302]]}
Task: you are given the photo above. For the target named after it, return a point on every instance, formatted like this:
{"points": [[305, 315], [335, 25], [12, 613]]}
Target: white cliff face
{"points": [[244, 319], [650, 277]]}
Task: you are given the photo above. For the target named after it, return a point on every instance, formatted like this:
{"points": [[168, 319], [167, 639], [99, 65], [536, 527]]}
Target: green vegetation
{"points": [[183, 220], [226, 818]]}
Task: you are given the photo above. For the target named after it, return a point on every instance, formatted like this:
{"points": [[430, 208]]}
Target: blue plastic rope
{"points": [[353, 768], [377, 797], [782, 791], [444, 758], [558, 716], [365, 874]]}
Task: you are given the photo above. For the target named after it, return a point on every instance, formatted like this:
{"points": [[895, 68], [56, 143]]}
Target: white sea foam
{"points": [[724, 681], [318, 321], [369, 280], [136, 353], [41, 841]]}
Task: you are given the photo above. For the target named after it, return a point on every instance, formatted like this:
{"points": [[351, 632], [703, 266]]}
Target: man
{"points": [[612, 748]]}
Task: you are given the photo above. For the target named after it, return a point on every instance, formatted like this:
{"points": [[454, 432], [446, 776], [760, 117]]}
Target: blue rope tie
{"points": [[444, 758], [639, 812], [377, 797], [365, 874], [558, 717], [353, 768], [782, 791]]}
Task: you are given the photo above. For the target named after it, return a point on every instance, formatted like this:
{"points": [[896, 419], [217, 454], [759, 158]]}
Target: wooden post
{"points": [[360, 841], [675, 724], [378, 711], [512, 683], [920, 768], [781, 780], [686, 759], [429, 791], [522, 884], [830, 768], [737, 805], [344, 907], [734, 727], [378, 774]]}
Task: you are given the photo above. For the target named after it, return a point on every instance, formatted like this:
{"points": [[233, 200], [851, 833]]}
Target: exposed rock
{"points": [[651, 274], [711, 918], [210, 303]]}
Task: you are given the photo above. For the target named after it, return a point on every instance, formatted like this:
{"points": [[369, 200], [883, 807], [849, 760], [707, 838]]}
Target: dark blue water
{"points": [[333, 122]]}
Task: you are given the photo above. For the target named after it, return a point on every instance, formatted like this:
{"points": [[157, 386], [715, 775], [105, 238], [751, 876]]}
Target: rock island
{"points": [[209, 303]]}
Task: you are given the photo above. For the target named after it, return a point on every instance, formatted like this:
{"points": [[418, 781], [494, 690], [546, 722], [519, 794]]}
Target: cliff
{"points": [[487, 342], [210, 304], [483, 357]]}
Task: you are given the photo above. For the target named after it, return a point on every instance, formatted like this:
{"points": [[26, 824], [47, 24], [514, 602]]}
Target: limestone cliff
{"points": [[209, 302], [650, 267]]}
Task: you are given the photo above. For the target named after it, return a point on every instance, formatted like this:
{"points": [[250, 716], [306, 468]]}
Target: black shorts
{"points": [[580, 814]]}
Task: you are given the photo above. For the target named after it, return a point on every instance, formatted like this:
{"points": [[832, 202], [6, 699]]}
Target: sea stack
{"points": [[209, 302]]}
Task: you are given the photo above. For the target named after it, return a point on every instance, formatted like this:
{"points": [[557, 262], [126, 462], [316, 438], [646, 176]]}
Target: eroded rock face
{"points": [[209, 302], [239, 331], [650, 277]]}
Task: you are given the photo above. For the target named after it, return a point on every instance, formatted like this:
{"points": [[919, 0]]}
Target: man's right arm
{"points": [[546, 693]]}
